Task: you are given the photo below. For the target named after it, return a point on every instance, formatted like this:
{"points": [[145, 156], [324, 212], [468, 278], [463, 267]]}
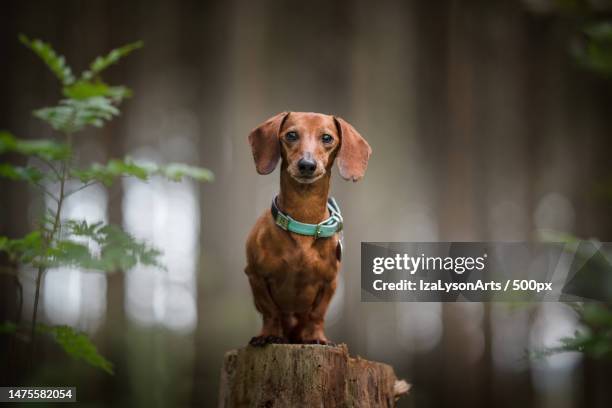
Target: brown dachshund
{"points": [[292, 275]]}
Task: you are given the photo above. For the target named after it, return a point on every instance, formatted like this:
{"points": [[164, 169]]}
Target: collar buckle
{"points": [[282, 221], [317, 232]]}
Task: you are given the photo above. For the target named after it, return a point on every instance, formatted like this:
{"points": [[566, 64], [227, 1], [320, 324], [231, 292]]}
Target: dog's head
{"points": [[308, 144]]}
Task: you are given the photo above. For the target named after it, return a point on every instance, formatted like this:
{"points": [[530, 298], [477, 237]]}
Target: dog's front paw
{"points": [[260, 341], [276, 340]]}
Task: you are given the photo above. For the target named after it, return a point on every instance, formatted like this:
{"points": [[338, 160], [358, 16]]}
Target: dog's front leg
{"points": [[271, 331], [311, 324]]}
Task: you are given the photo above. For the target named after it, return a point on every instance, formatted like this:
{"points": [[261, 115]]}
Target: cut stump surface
{"points": [[283, 375]]}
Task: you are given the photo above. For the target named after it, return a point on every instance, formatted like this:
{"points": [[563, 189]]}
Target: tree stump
{"points": [[296, 375]]}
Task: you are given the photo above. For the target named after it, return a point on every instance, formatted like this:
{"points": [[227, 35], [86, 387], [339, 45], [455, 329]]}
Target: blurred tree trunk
{"points": [[17, 200]]}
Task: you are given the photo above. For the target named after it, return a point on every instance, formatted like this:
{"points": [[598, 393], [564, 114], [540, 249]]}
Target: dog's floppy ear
{"points": [[265, 144], [354, 151]]}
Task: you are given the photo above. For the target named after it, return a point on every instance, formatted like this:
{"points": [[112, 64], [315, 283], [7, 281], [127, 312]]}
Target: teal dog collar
{"points": [[324, 229]]}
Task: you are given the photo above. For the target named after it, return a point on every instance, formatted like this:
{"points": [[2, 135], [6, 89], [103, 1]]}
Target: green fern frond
{"points": [[44, 149], [56, 63], [24, 250], [82, 89], [77, 345], [72, 115], [101, 63], [118, 250], [107, 173], [27, 173]]}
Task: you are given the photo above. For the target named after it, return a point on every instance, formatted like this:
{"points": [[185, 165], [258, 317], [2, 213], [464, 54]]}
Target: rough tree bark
{"points": [[306, 376]]}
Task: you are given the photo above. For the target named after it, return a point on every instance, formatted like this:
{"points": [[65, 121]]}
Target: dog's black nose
{"points": [[307, 166]]}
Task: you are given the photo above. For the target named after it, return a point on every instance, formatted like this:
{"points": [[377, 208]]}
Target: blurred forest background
{"points": [[483, 124]]}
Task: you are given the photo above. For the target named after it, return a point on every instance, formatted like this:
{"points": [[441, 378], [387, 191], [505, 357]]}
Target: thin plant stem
{"points": [[47, 242], [41, 268]]}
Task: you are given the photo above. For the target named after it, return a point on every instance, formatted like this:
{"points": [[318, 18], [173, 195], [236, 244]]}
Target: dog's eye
{"points": [[291, 136], [327, 138]]}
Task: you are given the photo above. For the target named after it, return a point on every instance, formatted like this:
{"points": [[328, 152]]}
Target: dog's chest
{"points": [[304, 261], [312, 261]]}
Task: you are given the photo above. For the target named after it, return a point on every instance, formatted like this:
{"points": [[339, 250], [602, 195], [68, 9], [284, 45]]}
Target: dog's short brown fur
{"points": [[292, 276]]}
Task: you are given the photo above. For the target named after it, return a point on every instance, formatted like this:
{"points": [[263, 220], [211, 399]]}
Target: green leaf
{"points": [[118, 250], [101, 63], [594, 344], [82, 89], [596, 316], [601, 31], [118, 93], [552, 236], [24, 250], [56, 63], [8, 328], [44, 149], [115, 168], [177, 171], [72, 253], [121, 251], [595, 51], [107, 173], [30, 174], [72, 115], [83, 229], [78, 346]]}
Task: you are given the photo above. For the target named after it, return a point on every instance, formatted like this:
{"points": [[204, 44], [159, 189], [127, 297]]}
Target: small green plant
{"points": [[594, 339], [55, 241], [594, 51]]}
